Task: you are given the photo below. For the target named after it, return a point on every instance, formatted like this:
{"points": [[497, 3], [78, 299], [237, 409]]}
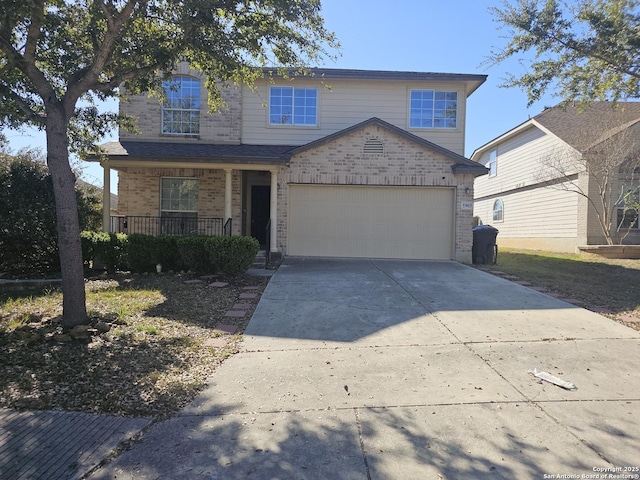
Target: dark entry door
{"points": [[260, 206]]}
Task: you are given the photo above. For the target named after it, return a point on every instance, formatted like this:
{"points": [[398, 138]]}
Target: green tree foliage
{"points": [[583, 50], [28, 235], [54, 53]]}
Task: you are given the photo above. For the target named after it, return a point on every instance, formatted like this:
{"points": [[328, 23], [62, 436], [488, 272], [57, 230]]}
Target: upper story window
{"points": [[433, 109], [493, 163], [293, 106], [498, 211], [181, 109]]}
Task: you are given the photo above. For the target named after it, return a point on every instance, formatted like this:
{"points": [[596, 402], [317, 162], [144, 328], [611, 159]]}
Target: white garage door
{"points": [[376, 222]]}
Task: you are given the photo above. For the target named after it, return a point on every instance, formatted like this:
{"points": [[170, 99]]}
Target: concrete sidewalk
{"points": [[358, 369], [59, 445]]}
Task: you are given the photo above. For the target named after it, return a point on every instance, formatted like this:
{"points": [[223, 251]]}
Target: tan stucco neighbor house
{"points": [[340, 163], [536, 168]]}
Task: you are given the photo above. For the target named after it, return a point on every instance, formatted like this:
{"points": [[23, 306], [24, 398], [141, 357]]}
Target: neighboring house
{"points": [[342, 163], [536, 168]]}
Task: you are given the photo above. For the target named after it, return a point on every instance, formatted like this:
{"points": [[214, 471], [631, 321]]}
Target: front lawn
{"points": [[161, 347], [611, 286]]}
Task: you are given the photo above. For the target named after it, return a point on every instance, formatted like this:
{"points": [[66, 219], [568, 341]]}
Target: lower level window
{"points": [[629, 206], [498, 211], [179, 206]]}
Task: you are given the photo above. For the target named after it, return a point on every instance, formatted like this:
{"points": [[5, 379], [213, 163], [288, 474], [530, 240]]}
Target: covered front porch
{"points": [[194, 192]]}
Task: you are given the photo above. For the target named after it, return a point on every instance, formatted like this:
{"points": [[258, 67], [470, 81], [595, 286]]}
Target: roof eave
{"points": [[475, 170]]}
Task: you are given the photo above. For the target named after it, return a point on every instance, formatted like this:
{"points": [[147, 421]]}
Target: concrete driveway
{"points": [[381, 369]]}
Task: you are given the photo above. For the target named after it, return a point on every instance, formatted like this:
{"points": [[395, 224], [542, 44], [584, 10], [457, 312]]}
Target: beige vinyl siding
{"points": [[520, 162], [367, 221], [544, 212], [342, 104]]}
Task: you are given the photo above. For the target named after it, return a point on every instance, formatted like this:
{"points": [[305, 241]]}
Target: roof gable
{"points": [[460, 164], [582, 129]]}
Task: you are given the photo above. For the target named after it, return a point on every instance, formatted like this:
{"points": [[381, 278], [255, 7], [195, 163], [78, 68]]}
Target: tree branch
{"points": [[90, 76]]}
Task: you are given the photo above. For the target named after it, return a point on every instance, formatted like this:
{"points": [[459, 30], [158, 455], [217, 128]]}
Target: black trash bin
{"points": [[485, 249]]}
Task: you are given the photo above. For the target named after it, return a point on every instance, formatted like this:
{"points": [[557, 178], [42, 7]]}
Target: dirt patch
{"points": [[162, 343]]}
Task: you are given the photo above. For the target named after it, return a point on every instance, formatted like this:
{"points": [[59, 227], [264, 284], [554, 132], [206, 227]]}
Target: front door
{"points": [[260, 212]]}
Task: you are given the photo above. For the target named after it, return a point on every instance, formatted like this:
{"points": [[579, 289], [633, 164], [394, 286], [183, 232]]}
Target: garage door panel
{"points": [[366, 221]]}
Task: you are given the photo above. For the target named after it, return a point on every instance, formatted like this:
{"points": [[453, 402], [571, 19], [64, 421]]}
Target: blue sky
{"points": [[454, 36]]}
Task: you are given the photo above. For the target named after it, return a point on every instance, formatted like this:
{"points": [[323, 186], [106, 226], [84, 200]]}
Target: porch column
{"points": [[227, 194], [106, 197], [274, 211]]}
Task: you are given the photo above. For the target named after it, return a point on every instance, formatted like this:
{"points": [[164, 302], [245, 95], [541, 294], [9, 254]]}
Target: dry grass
{"points": [[154, 360], [609, 286]]}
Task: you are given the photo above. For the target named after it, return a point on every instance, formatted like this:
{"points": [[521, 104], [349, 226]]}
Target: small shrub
{"points": [[106, 249], [166, 252], [141, 252], [228, 255], [232, 255], [193, 253]]}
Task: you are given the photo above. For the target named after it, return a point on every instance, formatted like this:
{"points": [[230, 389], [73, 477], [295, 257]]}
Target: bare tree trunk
{"points": [[74, 310]]}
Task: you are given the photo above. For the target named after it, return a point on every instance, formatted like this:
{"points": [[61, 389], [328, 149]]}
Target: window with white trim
{"points": [[178, 205], [498, 211], [433, 109], [181, 108], [493, 163], [293, 106], [628, 205]]}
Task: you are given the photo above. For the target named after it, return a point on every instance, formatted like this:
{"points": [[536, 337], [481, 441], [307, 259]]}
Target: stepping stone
{"points": [[218, 284], [629, 318], [222, 328], [242, 306], [235, 313], [250, 288], [192, 282], [248, 295], [216, 342]]}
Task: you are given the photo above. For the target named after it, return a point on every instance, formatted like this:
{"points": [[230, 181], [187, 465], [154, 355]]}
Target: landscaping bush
{"points": [[231, 255], [141, 252], [28, 236], [108, 250], [166, 252], [194, 255], [228, 255]]}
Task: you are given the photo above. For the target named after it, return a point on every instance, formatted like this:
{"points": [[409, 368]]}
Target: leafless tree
{"points": [[603, 166]]}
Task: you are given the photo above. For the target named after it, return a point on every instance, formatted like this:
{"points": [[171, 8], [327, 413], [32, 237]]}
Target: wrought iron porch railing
{"points": [[267, 253], [209, 226]]}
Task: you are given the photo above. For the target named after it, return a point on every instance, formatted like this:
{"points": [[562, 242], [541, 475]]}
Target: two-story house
{"points": [[549, 175], [341, 163]]}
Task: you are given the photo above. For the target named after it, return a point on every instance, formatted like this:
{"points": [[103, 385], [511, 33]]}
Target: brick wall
{"points": [[139, 192], [403, 163], [222, 126]]}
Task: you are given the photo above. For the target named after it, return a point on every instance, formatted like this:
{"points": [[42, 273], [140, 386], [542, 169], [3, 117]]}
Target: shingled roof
{"points": [[460, 164], [263, 154], [197, 152], [583, 129]]}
